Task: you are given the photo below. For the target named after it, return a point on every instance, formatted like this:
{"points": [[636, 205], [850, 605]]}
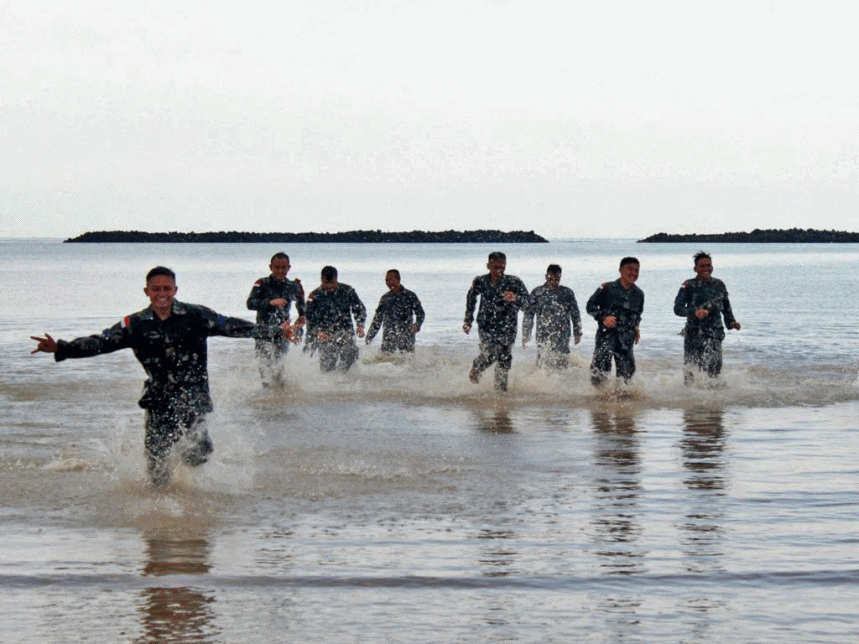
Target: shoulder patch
{"points": [[126, 322]]}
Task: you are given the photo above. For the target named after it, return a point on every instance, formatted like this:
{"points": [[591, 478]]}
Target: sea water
{"points": [[399, 502]]}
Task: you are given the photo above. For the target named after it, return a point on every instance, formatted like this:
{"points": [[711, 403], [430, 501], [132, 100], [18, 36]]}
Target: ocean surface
{"points": [[399, 502]]}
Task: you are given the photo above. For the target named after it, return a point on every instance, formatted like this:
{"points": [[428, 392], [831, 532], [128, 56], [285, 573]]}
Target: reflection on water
{"points": [[174, 611], [703, 447], [617, 485], [496, 421], [497, 556], [702, 532]]}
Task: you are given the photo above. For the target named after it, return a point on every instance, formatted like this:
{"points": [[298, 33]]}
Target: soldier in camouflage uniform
{"points": [[169, 339], [555, 308], [501, 297], [703, 301], [617, 307], [272, 297], [329, 312], [402, 314]]}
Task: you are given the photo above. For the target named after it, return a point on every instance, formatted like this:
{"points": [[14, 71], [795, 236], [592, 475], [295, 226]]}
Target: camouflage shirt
{"points": [[555, 309], [712, 295], [398, 310], [496, 316], [332, 312], [173, 352], [625, 305], [267, 289]]}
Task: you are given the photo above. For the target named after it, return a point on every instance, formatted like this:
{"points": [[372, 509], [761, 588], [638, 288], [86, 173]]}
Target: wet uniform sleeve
{"points": [[575, 315], [257, 300], [300, 305], [112, 339], [358, 309], [682, 303], [528, 317], [471, 300], [524, 296], [727, 311], [216, 324], [594, 306], [419, 311], [377, 320]]}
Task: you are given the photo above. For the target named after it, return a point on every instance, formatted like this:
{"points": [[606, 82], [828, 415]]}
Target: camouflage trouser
{"points": [[494, 350], [606, 349], [337, 354], [552, 354], [270, 359], [164, 428], [398, 340], [701, 353]]}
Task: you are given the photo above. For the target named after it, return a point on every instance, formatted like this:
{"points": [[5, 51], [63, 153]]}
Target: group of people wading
{"points": [[168, 337]]}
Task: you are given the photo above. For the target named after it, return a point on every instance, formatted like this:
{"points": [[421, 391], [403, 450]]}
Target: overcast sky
{"points": [[573, 119]]}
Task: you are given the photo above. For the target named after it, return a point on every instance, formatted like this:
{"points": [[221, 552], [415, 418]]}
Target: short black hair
{"points": [[394, 271], [699, 256], [279, 256], [629, 260], [495, 255], [329, 273], [554, 269], [158, 271]]}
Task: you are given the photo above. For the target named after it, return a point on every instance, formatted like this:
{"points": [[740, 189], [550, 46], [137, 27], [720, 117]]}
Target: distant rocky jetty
{"points": [[355, 236], [757, 236]]}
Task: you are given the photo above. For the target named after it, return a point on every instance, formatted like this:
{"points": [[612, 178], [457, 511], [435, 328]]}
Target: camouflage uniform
{"points": [[399, 310], [496, 322], [555, 309], [332, 314], [702, 339], [270, 353], [173, 354], [625, 305]]}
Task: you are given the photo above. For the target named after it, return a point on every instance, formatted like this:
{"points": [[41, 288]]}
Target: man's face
{"points": [[704, 268], [329, 286], [161, 291], [279, 268], [392, 281], [629, 274], [553, 280], [497, 267]]}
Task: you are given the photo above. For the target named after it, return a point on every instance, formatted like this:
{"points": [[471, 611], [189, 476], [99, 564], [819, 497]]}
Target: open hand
{"points": [[46, 344]]}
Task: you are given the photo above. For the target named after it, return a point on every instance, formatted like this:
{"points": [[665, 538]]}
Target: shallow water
{"points": [[400, 503]]}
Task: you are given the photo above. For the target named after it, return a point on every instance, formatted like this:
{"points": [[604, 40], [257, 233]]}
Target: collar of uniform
{"points": [[178, 309]]}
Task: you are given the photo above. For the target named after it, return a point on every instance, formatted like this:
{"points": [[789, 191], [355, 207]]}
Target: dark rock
{"points": [[757, 236], [352, 237]]}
